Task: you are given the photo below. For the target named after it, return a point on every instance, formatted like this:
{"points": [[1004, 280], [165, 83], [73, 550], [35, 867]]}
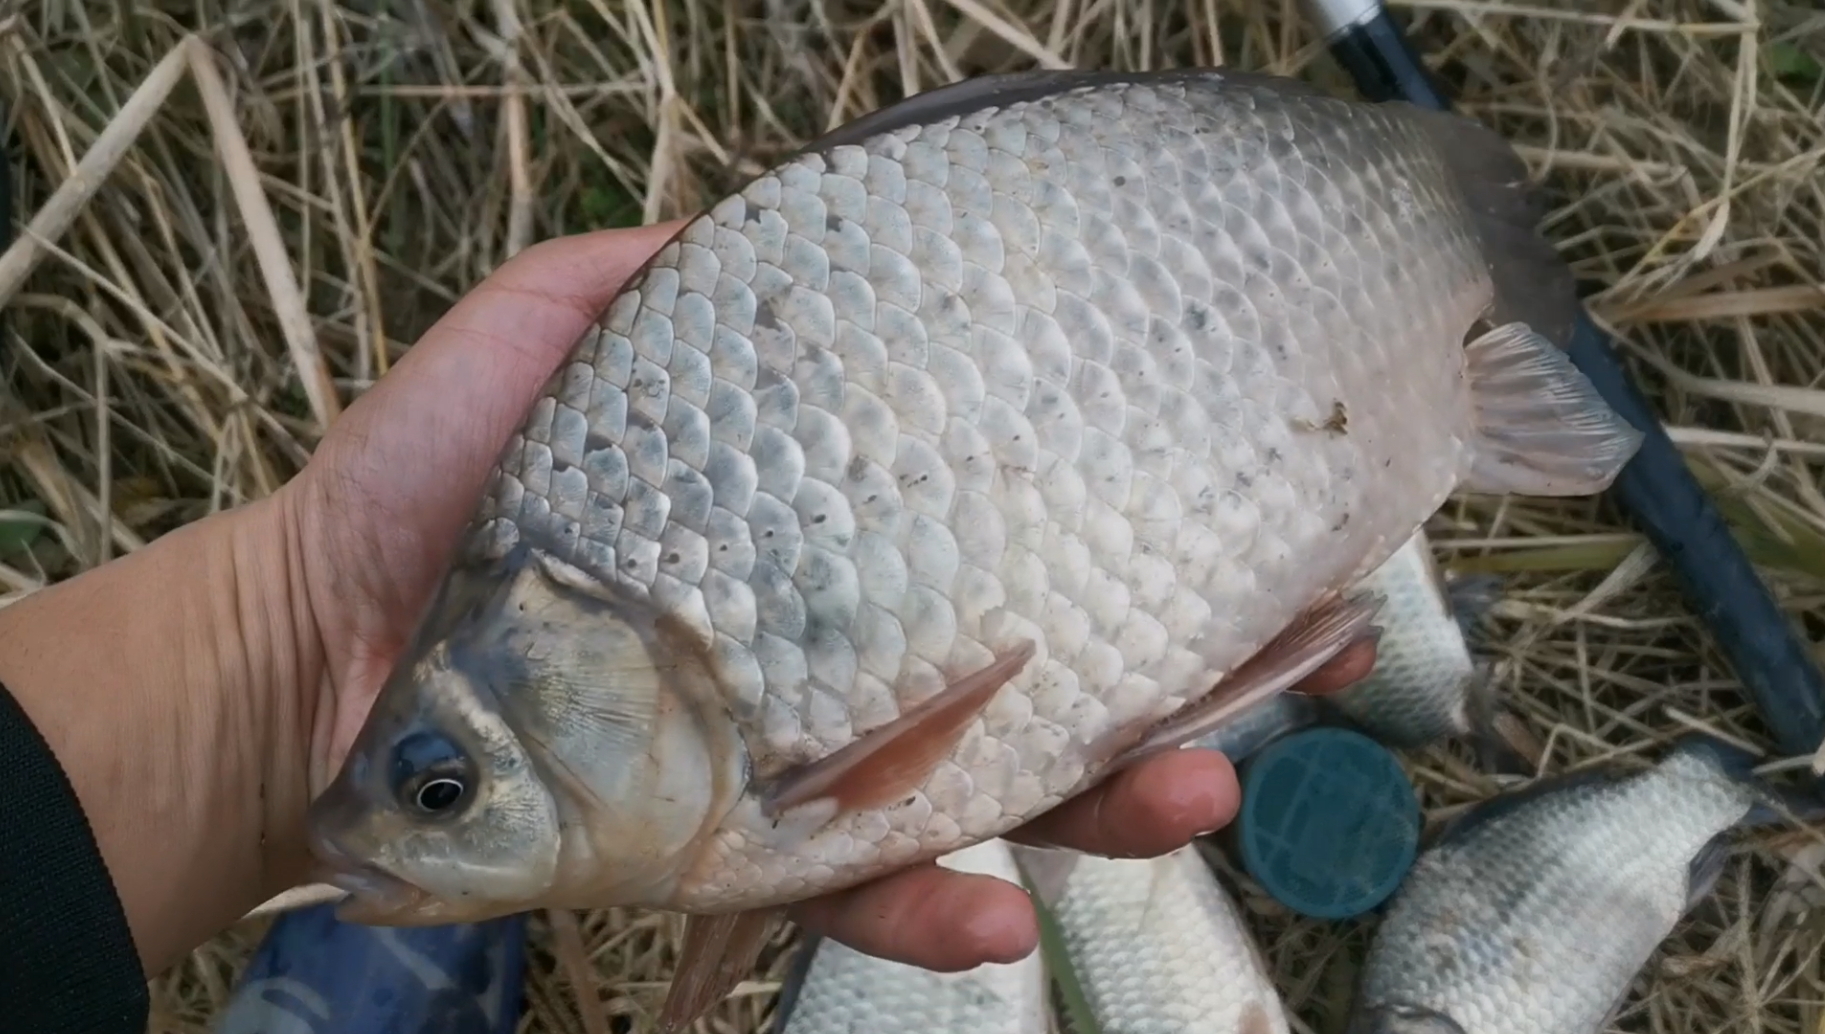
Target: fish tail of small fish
{"points": [[792, 984], [1542, 428], [1782, 805], [1470, 598], [1500, 749]]}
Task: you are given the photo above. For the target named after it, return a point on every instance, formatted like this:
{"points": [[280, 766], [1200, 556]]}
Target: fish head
{"points": [[1401, 1018], [548, 740]]}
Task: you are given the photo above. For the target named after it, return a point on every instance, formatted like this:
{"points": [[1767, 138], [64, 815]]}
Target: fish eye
{"points": [[440, 794], [431, 775]]}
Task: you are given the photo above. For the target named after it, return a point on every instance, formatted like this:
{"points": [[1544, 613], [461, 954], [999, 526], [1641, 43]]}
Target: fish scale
{"points": [[1075, 362], [1159, 945]]}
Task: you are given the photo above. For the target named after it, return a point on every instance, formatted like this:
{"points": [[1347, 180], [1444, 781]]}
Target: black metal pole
{"points": [[1656, 490]]}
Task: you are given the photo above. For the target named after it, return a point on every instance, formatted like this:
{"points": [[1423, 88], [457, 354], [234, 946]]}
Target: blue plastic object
{"points": [[315, 975], [1329, 823]]}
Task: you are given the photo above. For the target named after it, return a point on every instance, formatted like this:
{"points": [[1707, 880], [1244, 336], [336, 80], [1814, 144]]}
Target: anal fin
{"points": [[1541, 426], [1312, 640], [718, 951], [887, 763], [1046, 870]]}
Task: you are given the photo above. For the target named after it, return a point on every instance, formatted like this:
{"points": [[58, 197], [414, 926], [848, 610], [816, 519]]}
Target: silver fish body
{"points": [[835, 989], [1425, 686], [911, 486], [1535, 912], [1159, 946], [1271, 719]]}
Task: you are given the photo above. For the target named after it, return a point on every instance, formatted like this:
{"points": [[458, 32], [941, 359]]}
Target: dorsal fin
{"points": [[989, 91]]}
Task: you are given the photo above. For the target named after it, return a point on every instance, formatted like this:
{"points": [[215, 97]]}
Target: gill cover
{"points": [[554, 741], [440, 812]]}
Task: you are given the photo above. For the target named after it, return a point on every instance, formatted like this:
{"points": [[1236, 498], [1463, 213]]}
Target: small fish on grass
{"points": [[1534, 911], [1427, 685], [1152, 945], [834, 989], [964, 458]]}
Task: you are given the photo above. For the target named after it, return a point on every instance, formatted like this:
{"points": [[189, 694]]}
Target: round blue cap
{"points": [[1329, 823]]}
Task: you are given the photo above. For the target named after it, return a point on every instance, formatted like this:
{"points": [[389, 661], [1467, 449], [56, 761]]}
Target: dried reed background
{"points": [[183, 341]]}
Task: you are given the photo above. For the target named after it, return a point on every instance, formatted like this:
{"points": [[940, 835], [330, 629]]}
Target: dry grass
{"points": [[267, 239]]}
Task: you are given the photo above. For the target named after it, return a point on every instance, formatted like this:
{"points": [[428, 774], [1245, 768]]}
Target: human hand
{"points": [[378, 510]]}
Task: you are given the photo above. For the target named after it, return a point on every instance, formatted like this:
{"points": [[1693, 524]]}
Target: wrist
{"points": [[174, 686]]}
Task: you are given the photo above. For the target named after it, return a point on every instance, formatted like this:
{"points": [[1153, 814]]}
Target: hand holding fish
{"points": [[995, 445], [936, 486], [382, 504], [201, 690]]}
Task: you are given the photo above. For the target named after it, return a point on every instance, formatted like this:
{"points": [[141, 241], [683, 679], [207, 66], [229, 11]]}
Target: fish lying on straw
{"points": [[996, 440], [1154, 945], [1425, 687], [1536, 909], [834, 989]]}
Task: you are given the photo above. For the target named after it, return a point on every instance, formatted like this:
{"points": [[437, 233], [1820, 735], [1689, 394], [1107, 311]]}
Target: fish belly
{"points": [[1135, 372]]}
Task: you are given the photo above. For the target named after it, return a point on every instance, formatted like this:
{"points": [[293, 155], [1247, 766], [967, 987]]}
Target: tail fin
{"points": [[1804, 802], [1544, 428], [1470, 598], [1484, 715], [793, 983]]}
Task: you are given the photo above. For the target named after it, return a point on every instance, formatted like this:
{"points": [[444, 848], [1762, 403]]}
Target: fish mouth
{"points": [[375, 896]]}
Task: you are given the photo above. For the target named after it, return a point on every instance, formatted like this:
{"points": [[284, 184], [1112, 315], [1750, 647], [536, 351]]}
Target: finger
{"points": [[930, 917], [1145, 811], [1342, 671]]}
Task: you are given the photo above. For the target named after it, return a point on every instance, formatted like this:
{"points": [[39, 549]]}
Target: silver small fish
{"points": [[1426, 685], [834, 989], [988, 444], [1535, 910], [1157, 945]]}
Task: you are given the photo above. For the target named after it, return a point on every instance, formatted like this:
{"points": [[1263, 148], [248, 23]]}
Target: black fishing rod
{"points": [[1656, 490]]}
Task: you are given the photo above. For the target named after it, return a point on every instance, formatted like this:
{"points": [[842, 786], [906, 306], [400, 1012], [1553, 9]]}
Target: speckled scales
{"points": [[847, 992], [1418, 693], [1160, 947], [1056, 371]]}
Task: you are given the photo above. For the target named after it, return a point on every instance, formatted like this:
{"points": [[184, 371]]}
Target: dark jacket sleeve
{"points": [[67, 959]]}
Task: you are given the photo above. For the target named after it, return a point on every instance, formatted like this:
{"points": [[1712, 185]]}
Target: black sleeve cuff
{"points": [[68, 964]]}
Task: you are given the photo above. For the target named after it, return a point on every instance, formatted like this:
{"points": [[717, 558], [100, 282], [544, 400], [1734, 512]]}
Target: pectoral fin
{"points": [[718, 952], [888, 763], [1315, 638]]}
